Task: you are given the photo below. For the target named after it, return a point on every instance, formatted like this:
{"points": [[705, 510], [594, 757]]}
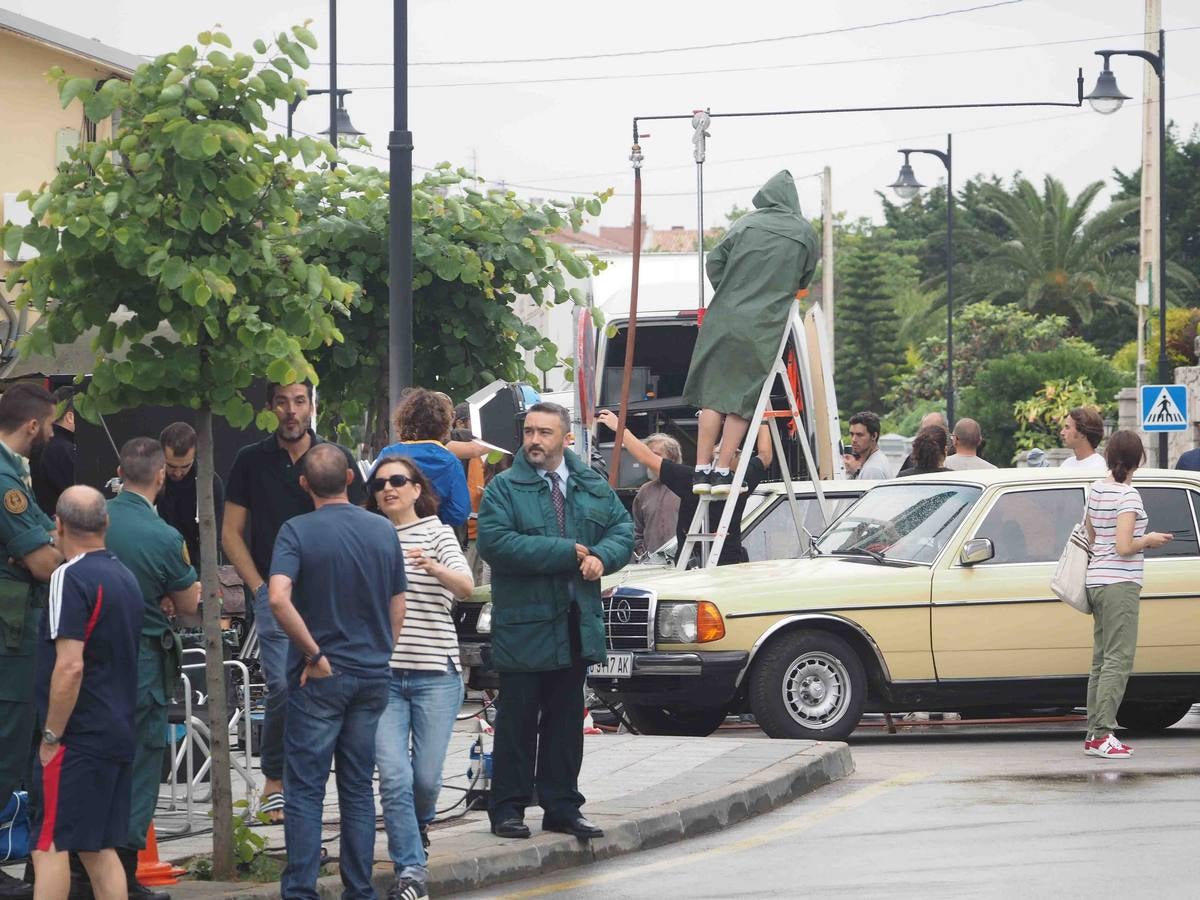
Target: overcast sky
{"points": [[574, 136]]}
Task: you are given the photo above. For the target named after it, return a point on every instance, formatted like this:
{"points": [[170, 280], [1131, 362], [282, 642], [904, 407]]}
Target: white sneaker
{"points": [[1109, 748]]}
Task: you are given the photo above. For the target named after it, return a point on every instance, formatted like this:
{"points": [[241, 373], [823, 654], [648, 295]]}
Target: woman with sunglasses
{"points": [[426, 689]]}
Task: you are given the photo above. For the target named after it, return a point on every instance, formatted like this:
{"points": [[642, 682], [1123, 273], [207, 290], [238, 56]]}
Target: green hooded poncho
{"points": [[756, 269]]}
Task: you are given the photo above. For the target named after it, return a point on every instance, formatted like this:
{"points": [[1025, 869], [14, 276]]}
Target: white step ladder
{"points": [[712, 542]]}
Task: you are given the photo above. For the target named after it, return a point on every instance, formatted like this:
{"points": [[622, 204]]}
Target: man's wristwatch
{"points": [[49, 737], [315, 658]]}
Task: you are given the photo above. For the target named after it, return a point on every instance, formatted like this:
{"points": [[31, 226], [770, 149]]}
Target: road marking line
{"points": [[851, 801]]}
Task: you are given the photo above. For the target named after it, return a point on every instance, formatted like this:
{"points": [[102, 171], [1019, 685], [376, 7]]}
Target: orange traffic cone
{"points": [[150, 870], [589, 727]]}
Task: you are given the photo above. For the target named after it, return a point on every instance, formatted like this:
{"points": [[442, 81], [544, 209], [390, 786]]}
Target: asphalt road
{"points": [[1013, 811]]}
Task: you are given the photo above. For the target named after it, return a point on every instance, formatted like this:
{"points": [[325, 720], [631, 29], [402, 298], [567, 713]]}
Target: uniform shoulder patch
{"points": [[187, 557], [15, 501]]}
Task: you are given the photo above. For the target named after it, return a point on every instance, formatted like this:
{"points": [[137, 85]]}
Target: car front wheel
{"points": [[1148, 716], [809, 685]]}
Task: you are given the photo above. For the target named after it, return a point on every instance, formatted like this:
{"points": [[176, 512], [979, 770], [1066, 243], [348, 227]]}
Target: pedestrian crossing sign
{"points": [[1164, 407]]}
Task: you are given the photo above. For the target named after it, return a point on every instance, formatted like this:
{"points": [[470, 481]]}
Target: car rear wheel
{"points": [[1146, 716], [667, 721], [809, 685]]}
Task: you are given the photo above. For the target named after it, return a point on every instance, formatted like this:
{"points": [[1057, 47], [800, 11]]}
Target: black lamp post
{"points": [[400, 147], [340, 124], [1106, 98], [906, 187]]}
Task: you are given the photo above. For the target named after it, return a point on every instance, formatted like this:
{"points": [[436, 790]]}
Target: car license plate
{"points": [[619, 665]]}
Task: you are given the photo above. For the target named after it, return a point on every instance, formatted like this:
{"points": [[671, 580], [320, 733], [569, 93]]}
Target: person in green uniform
{"points": [[27, 559], [762, 261], [158, 557]]}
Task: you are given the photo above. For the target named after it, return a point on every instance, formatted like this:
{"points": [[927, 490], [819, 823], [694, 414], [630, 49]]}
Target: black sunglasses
{"points": [[396, 481]]}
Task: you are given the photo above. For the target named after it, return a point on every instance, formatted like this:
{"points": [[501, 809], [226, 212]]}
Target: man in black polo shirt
{"points": [[86, 689], [262, 493], [678, 479]]}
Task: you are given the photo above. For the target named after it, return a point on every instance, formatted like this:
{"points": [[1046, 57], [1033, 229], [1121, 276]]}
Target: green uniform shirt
{"points": [[23, 528], [153, 551]]}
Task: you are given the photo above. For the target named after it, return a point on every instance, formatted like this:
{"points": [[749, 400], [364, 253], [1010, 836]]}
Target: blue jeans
{"points": [[421, 706], [272, 657], [331, 719]]}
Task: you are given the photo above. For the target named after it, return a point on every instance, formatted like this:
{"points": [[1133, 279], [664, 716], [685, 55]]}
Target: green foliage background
{"points": [[174, 240], [474, 252]]}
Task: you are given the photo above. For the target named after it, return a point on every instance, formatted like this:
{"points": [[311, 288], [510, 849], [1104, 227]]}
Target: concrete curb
{"points": [[651, 819]]}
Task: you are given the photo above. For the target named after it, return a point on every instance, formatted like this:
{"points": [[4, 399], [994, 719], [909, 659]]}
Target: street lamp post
{"points": [[1106, 98], [400, 147], [334, 98], [906, 187]]}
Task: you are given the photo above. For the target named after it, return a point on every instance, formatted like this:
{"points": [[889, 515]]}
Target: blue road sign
{"points": [[1164, 407]]}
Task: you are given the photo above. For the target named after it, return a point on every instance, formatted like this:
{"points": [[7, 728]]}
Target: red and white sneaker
{"points": [[1108, 747]]}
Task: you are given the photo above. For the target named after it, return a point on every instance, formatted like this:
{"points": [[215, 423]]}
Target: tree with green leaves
{"points": [[991, 395], [1040, 417], [1051, 256], [1183, 327], [184, 222], [922, 221], [868, 352], [982, 332], [475, 251], [1180, 204]]}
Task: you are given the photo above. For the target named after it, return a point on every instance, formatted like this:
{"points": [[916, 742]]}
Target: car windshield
{"points": [[900, 522]]}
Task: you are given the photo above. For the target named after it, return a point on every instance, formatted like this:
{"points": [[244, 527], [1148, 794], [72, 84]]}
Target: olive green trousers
{"points": [[1114, 642]]}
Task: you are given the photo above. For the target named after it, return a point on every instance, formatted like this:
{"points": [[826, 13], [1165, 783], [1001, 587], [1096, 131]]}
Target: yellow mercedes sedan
{"points": [[928, 593]]}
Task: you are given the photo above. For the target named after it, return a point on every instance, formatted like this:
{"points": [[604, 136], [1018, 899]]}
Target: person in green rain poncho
{"points": [[764, 259]]}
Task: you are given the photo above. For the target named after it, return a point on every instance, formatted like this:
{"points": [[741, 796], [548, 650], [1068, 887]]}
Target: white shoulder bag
{"points": [[1069, 583]]}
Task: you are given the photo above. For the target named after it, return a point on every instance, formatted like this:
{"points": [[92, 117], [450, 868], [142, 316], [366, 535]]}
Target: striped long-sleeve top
{"points": [[1106, 501], [428, 638]]}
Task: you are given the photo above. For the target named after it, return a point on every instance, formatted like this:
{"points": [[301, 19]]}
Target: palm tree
{"points": [[1048, 257]]}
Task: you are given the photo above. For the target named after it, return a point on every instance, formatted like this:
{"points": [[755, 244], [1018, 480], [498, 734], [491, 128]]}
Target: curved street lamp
{"points": [[341, 123], [906, 187], [1106, 98]]}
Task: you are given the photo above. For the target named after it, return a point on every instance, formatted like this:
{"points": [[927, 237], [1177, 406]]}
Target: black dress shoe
{"points": [[14, 888], [511, 828], [579, 826]]}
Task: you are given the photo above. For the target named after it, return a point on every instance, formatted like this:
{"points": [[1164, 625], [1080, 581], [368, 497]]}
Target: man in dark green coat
{"points": [[764, 259], [27, 559], [158, 557], [549, 527]]}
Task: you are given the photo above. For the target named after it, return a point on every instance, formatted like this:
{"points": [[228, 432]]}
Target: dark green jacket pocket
{"points": [[527, 636], [16, 620]]}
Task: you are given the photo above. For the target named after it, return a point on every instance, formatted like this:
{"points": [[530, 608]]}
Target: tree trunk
{"points": [[218, 714]]}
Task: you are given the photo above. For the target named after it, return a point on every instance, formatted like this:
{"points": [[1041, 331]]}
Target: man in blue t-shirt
{"points": [[86, 691], [337, 589]]}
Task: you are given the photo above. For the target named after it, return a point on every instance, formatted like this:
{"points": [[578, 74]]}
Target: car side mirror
{"points": [[976, 550]]}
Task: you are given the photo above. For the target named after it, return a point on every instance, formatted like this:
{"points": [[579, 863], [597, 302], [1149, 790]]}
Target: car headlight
{"points": [[484, 625], [689, 623]]}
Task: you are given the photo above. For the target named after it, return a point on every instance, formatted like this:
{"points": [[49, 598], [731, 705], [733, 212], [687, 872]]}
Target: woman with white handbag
{"points": [[1116, 524]]}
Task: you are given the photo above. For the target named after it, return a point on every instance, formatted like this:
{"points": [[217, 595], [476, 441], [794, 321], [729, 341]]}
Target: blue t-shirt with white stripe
{"points": [[96, 600]]}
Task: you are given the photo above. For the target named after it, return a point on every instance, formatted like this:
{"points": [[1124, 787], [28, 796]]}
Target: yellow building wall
{"points": [[31, 115]]}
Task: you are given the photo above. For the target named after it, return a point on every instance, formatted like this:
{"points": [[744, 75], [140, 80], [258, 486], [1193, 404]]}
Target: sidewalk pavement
{"points": [[644, 791]]}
